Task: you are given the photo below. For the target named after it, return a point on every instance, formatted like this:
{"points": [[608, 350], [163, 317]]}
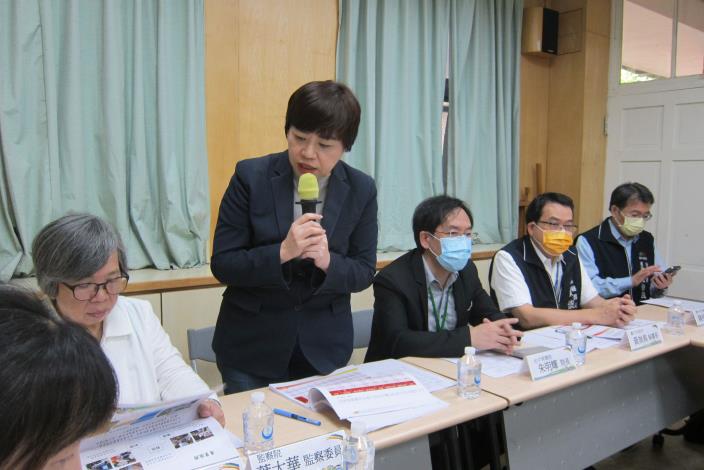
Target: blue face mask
{"points": [[455, 254]]}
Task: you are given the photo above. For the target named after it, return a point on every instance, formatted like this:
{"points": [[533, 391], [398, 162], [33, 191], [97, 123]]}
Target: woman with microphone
{"points": [[289, 273]]}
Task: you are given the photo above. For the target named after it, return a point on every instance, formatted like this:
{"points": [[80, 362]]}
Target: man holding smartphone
{"points": [[619, 255]]}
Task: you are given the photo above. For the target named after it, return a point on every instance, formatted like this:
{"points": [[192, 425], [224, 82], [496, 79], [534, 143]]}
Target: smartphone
{"points": [[672, 269]]}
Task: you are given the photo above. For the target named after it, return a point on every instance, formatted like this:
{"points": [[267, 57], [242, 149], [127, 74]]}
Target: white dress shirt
{"points": [[511, 288], [148, 367]]}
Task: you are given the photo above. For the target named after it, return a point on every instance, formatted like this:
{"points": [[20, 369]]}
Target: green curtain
{"points": [[102, 110], [483, 122], [392, 53]]}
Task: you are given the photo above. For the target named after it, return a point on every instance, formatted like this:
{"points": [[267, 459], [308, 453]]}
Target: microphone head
{"points": [[308, 187]]}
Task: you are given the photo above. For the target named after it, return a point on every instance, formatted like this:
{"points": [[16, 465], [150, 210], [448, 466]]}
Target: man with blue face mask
{"points": [[430, 302]]}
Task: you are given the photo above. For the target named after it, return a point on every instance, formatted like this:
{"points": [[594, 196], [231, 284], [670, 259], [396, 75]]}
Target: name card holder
{"points": [[698, 316], [549, 363], [316, 453], [643, 337]]}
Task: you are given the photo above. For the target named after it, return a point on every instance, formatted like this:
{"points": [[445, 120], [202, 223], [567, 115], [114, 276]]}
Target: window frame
{"points": [[661, 85]]}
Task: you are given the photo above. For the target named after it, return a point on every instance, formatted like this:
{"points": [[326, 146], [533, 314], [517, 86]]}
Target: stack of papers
{"points": [[161, 436], [380, 394], [688, 305], [496, 364]]}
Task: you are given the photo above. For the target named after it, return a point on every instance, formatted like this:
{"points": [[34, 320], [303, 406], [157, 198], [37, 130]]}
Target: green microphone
{"points": [[308, 192]]}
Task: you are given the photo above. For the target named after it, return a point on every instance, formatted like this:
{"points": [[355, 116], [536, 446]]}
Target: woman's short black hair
{"points": [[535, 209], [57, 385], [627, 192], [327, 108], [432, 212]]}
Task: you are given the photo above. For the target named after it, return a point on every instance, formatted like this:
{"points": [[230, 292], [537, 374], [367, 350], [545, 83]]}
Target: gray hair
{"points": [[72, 248]]}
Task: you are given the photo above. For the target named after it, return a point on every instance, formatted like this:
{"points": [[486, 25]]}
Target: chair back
{"points": [[362, 323], [200, 345]]}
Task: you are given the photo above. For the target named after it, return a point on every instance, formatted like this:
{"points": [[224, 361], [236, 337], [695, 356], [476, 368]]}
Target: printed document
{"points": [[380, 394], [667, 302], [161, 436], [496, 364]]}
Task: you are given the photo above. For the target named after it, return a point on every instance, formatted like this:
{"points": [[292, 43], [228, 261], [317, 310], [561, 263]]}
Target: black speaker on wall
{"points": [[540, 28]]}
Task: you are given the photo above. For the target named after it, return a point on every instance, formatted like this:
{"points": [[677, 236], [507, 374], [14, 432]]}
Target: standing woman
{"points": [[81, 265], [286, 311]]}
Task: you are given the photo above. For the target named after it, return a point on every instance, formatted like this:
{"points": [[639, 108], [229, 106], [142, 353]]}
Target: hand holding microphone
{"points": [[306, 238]]}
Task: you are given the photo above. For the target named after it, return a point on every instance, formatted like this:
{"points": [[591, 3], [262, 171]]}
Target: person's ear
{"points": [[424, 239], [615, 211], [530, 227]]}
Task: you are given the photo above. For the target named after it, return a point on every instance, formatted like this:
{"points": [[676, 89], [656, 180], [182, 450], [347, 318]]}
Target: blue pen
{"points": [[288, 414]]}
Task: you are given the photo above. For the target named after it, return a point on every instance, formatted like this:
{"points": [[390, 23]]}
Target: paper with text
{"points": [[164, 436], [496, 364]]}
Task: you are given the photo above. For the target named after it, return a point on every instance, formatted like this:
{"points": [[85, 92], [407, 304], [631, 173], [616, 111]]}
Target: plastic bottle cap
{"points": [[358, 428], [576, 325], [257, 397], [470, 351]]}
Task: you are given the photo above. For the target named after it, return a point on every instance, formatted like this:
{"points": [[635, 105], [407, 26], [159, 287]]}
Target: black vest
{"points": [[611, 260], [538, 280]]}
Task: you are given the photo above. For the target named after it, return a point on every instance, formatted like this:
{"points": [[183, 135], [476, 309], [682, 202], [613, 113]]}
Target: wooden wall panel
{"points": [[591, 197], [565, 125], [576, 148], [535, 93], [257, 53], [221, 69]]}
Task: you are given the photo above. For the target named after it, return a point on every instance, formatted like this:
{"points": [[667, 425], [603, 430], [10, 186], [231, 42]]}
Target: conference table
{"points": [[697, 337], [616, 399], [403, 445], [571, 420]]}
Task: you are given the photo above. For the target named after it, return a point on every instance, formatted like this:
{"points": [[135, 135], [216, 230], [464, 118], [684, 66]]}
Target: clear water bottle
{"points": [[258, 425], [469, 374], [578, 343], [358, 449], [675, 318]]}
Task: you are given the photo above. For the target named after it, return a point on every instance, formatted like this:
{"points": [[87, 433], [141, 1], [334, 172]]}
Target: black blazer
{"points": [[267, 305], [400, 324]]}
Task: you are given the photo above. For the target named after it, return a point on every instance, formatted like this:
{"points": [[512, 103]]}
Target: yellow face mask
{"points": [[556, 243]]}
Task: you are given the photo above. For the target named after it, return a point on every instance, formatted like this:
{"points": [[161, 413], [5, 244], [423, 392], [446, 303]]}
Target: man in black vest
{"points": [[539, 279], [618, 255]]}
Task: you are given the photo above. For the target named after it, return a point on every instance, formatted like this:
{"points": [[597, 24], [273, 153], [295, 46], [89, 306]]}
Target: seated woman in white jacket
{"points": [[81, 265]]}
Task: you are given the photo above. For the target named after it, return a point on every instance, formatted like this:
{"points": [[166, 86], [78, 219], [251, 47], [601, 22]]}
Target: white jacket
{"points": [[148, 367]]}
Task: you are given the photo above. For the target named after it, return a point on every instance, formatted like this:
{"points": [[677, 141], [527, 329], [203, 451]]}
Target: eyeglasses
{"points": [[88, 290], [555, 227], [474, 236], [645, 217]]}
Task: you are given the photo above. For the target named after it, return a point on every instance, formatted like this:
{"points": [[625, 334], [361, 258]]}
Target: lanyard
{"points": [[557, 284], [439, 325]]}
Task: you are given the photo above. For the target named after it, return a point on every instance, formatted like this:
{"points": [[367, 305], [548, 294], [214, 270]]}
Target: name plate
{"points": [[639, 338], [549, 363], [698, 316], [317, 453]]}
